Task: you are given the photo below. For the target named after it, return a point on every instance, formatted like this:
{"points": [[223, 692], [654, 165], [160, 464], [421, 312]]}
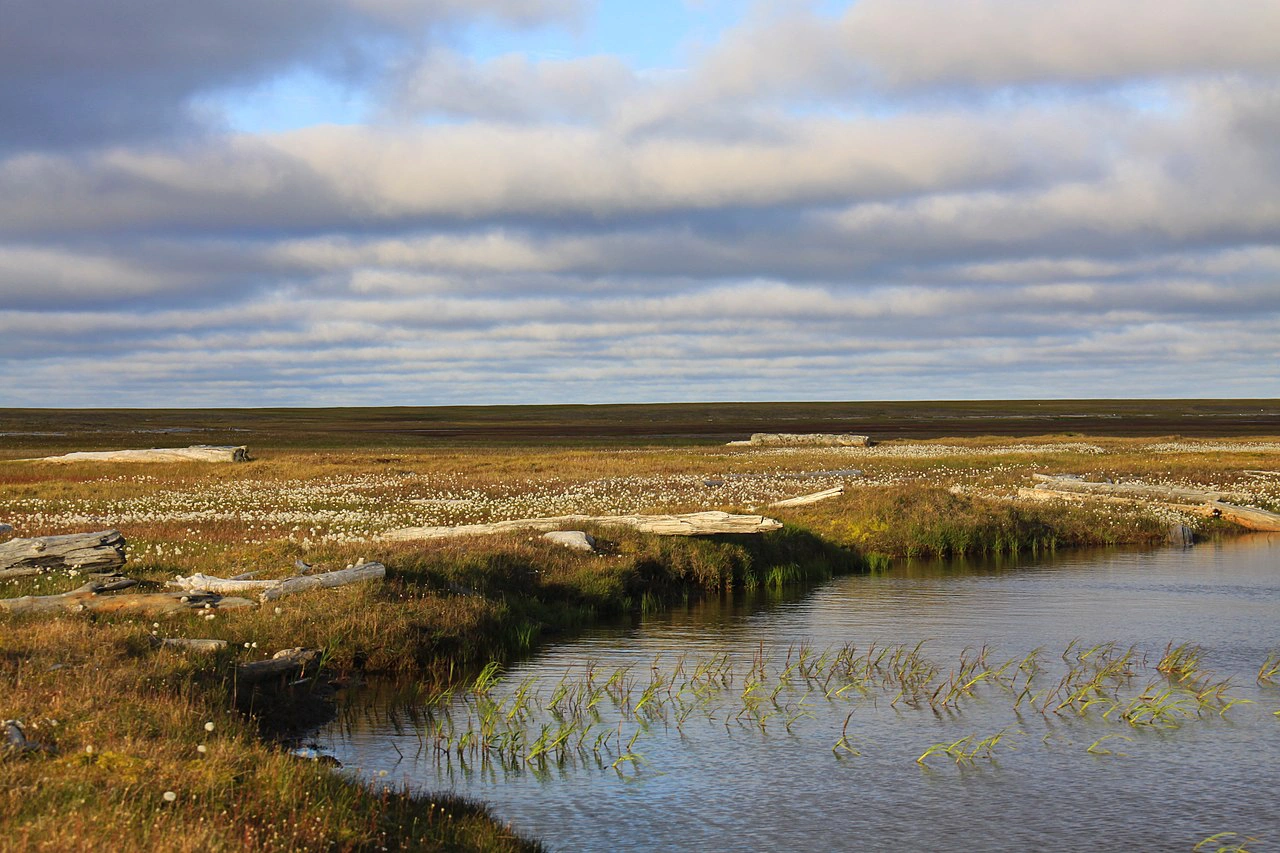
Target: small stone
{"points": [[574, 539], [6, 529]]}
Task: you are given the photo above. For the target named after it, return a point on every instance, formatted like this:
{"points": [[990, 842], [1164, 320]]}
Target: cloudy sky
{"points": [[329, 202]]}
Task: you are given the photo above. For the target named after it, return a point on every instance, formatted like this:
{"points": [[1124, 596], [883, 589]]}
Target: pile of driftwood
{"points": [[809, 439], [1201, 501], [100, 557]]}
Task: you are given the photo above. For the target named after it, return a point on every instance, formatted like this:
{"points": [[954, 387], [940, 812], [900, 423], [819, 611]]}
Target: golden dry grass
{"points": [[79, 683]]}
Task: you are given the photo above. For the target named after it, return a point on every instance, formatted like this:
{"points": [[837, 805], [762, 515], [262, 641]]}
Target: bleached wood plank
{"points": [[688, 524], [815, 497]]}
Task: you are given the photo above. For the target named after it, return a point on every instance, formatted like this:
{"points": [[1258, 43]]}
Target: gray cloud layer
{"points": [[914, 199], [75, 72]]}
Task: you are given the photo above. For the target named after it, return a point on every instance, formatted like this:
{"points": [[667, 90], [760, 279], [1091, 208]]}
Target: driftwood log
{"points": [[270, 590], [88, 599], [327, 580], [96, 553], [805, 500], [195, 453], [689, 524], [812, 439], [1039, 494], [1141, 491], [287, 663], [1248, 517]]}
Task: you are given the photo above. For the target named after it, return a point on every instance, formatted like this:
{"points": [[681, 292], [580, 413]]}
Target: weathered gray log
{"points": [[270, 590], [73, 600], [1248, 517], [815, 497], [186, 644], [689, 524], [327, 580], [1039, 494], [195, 453], [87, 599], [222, 586], [812, 439], [1172, 494], [101, 552], [287, 663]]}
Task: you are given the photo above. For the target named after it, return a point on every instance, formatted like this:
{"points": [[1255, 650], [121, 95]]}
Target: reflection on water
{"points": [[737, 748]]}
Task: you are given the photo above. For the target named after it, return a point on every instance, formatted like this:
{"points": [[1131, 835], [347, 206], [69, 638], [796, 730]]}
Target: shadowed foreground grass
{"points": [[147, 749], [134, 765]]}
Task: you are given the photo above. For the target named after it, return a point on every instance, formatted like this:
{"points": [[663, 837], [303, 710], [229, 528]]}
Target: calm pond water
{"points": [[719, 726]]}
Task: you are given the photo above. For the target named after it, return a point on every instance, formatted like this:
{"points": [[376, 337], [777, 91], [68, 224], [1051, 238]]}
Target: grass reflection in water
{"points": [[593, 717]]}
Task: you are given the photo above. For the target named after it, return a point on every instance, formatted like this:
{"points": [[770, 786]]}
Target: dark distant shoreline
{"points": [[667, 423]]}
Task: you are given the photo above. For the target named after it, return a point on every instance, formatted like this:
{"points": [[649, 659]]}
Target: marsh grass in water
{"points": [[595, 718]]}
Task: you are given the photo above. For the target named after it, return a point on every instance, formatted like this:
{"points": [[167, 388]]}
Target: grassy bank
{"points": [[147, 749], [125, 723]]}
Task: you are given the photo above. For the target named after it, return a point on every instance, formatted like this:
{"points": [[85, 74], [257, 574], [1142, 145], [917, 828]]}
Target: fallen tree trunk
{"points": [[689, 524], [270, 590], [101, 553], [287, 663], [222, 586], [1038, 494], [73, 600], [195, 453], [328, 580], [87, 599], [1172, 494], [1248, 516], [805, 500]]}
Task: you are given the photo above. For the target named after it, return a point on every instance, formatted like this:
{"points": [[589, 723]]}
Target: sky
{"points": [[431, 202]]}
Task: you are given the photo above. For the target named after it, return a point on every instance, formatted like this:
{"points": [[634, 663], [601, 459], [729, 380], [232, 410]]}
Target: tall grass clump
{"points": [[930, 521]]}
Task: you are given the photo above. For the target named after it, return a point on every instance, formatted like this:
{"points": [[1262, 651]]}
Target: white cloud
{"points": [[886, 204]]}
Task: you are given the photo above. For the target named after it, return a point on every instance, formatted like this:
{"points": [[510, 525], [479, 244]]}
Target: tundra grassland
{"points": [[145, 749]]}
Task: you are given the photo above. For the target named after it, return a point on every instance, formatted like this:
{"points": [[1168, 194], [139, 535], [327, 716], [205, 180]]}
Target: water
{"points": [[722, 780]]}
